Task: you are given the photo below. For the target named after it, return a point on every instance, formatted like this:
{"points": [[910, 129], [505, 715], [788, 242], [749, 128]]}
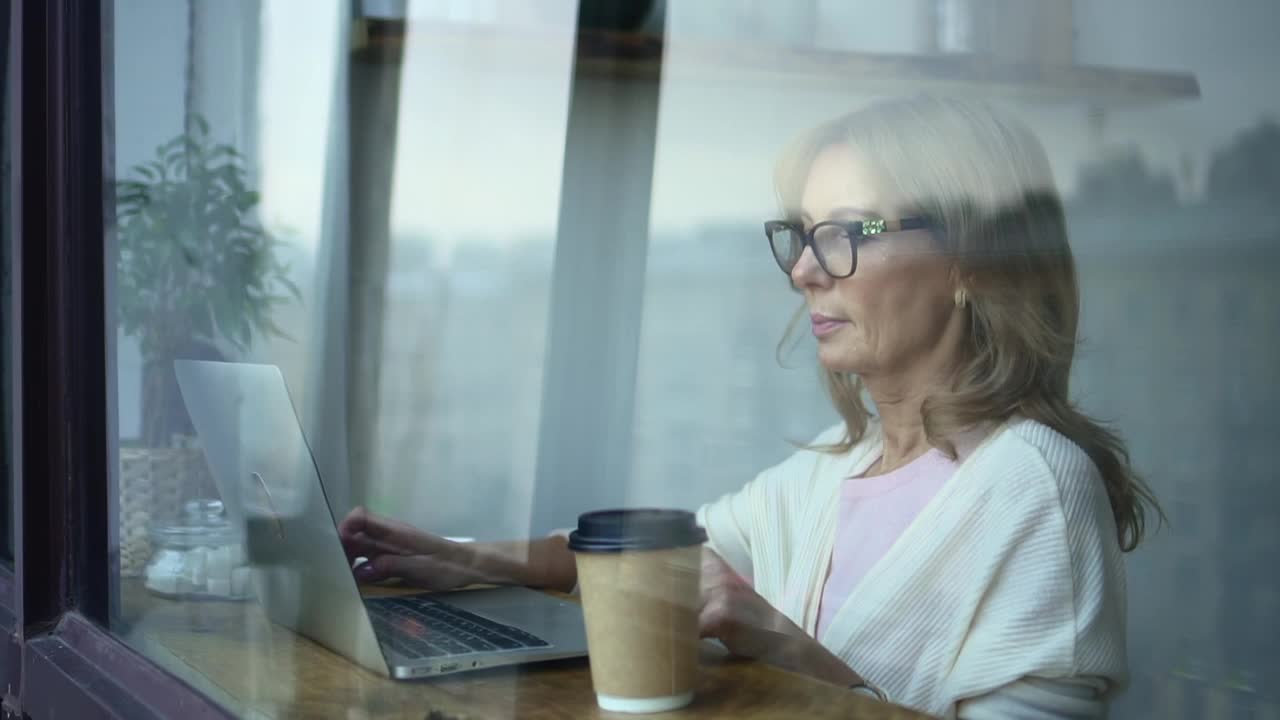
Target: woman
{"points": [[959, 551]]}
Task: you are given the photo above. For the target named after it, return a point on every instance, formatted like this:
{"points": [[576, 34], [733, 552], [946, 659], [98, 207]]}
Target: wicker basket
{"points": [[155, 483]]}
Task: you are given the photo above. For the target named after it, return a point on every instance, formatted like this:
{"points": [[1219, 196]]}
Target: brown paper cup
{"points": [[641, 610]]}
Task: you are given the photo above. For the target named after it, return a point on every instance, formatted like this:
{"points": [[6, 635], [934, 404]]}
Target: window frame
{"points": [[55, 603]]}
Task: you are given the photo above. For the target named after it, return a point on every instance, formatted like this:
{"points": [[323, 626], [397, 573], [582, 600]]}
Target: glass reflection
{"points": [[430, 175]]}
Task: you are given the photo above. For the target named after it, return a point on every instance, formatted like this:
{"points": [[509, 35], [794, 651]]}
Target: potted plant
{"points": [[196, 270], [197, 275]]}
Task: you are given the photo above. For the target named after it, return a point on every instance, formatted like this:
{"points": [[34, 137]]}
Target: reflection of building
{"points": [[1180, 350], [463, 369]]}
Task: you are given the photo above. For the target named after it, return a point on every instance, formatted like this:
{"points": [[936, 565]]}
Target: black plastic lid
{"points": [[606, 531]]}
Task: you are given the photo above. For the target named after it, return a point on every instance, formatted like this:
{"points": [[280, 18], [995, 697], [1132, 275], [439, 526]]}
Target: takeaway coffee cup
{"points": [[638, 571]]}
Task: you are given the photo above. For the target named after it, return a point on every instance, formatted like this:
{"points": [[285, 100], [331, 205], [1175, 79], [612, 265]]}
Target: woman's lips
{"points": [[823, 325]]}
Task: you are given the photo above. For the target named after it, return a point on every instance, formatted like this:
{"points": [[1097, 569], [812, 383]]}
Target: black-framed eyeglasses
{"points": [[835, 243]]}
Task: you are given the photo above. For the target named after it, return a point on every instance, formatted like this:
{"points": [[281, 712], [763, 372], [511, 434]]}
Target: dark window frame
{"points": [[55, 602]]}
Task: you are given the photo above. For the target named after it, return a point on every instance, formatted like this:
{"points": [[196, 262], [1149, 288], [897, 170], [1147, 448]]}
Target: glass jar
{"points": [[200, 556]]}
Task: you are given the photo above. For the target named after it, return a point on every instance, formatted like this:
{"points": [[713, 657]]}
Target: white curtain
{"points": [[325, 417]]}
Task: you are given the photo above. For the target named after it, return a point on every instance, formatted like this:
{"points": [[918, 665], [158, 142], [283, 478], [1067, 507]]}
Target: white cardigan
{"points": [[1012, 574]]}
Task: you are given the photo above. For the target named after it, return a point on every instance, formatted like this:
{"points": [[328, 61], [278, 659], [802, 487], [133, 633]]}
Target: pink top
{"points": [[873, 513]]}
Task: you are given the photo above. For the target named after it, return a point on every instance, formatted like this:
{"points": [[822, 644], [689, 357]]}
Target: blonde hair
{"points": [[985, 184]]}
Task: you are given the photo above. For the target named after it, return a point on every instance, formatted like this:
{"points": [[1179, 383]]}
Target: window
{"points": [[481, 267]]}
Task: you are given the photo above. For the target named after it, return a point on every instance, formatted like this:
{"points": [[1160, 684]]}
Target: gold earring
{"points": [[962, 298]]}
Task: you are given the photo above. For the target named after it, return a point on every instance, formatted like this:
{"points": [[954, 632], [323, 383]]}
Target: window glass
{"points": [[366, 202], [474, 273]]}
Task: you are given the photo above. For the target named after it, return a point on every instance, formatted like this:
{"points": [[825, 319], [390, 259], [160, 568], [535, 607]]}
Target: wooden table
{"points": [[231, 652]]}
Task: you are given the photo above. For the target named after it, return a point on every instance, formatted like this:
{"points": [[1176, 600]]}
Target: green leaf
{"points": [[165, 148], [201, 125], [290, 286], [224, 150], [276, 330], [194, 262]]}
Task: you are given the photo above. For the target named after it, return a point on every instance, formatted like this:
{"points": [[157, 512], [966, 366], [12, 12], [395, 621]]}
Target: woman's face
{"points": [[896, 315]]}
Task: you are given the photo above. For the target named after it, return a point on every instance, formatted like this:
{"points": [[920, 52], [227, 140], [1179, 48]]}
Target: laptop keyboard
{"points": [[419, 627]]}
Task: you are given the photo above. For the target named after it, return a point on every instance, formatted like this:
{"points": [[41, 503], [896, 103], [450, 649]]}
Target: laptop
{"points": [[271, 489]]}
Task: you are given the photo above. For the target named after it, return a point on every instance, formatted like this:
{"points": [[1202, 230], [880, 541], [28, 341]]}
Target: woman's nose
{"points": [[808, 272]]}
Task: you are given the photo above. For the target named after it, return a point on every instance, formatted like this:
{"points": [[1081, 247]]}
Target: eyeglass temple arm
{"points": [[874, 227]]}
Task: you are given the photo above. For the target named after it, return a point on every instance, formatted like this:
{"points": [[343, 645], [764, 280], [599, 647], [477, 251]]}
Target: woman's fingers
{"points": [[385, 567], [354, 522], [368, 572], [734, 613], [391, 533], [716, 616], [364, 535], [710, 559], [716, 575], [362, 545], [716, 569], [427, 572], [393, 549], [713, 618], [362, 522]]}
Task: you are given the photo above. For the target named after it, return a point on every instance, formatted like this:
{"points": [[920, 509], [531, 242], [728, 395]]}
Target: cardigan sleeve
{"points": [[728, 525], [742, 524], [1055, 607], [1033, 698]]}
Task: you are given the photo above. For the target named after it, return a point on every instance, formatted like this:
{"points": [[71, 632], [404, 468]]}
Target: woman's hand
{"points": [[749, 626], [735, 614], [396, 550]]}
